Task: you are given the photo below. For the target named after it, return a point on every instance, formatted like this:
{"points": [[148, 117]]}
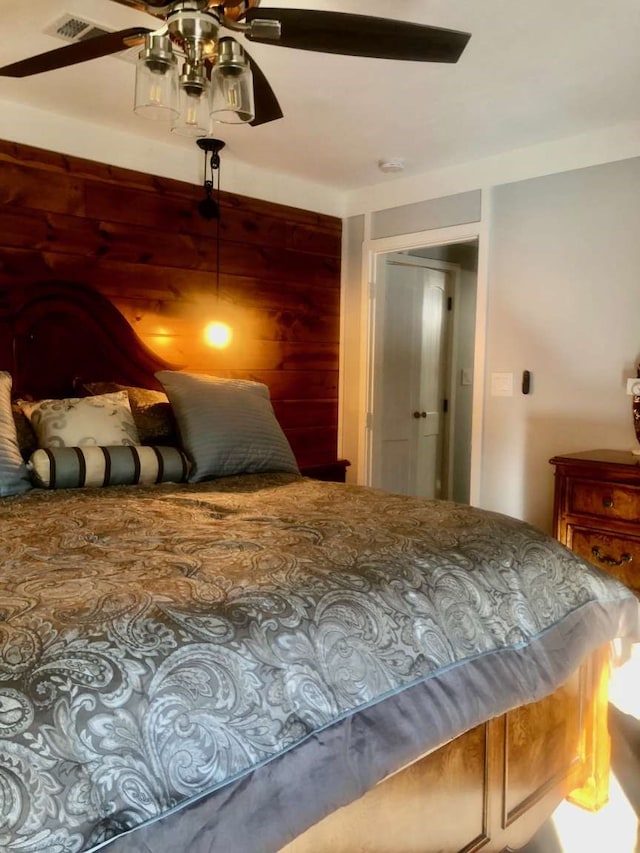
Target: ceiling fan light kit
{"points": [[213, 83], [156, 94], [232, 100], [190, 75], [193, 113]]}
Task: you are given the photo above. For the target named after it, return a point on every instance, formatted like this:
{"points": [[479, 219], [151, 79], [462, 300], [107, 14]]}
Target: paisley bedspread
{"points": [[167, 647]]}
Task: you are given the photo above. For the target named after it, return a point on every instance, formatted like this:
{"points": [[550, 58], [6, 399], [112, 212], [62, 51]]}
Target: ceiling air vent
{"points": [[71, 28]]}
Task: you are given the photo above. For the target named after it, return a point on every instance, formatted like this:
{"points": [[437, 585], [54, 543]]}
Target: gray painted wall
{"points": [[427, 215], [564, 303]]}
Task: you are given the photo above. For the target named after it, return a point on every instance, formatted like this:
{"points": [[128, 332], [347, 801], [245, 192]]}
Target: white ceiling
{"points": [[534, 71]]}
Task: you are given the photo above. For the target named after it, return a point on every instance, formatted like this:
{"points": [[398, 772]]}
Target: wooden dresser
{"points": [[597, 510]]}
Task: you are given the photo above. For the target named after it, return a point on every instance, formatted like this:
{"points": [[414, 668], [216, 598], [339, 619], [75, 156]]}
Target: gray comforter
{"points": [[181, 664]]}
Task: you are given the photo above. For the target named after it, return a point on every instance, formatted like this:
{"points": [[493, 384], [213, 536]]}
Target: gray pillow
{"points": [[14, 479], [227, 426]]}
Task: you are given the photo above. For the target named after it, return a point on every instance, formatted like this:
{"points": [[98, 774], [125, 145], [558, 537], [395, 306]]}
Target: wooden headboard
{"points": [[137, 240], [55, 332]]}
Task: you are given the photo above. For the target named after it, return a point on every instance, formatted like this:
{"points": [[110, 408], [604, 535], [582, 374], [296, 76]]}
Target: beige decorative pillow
{"points": [[82, 421]]}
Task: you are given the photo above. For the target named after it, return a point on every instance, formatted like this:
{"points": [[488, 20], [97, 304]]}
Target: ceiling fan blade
{"points": [[135, 4], [72, 54], [360, 35], [266, 104]]}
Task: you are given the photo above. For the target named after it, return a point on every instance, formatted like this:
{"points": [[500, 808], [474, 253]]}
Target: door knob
{"points": [[423, 414]]}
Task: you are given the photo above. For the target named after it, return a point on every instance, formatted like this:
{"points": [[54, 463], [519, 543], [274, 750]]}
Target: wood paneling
{"points": [[138, 239]]}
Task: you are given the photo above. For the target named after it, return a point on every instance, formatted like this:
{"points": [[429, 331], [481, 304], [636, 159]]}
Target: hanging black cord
{"points": [[208, 182], [208, 208], [216, 166]]}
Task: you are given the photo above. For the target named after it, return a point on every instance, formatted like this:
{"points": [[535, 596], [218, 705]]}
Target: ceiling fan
{"points": [[218, 66]]}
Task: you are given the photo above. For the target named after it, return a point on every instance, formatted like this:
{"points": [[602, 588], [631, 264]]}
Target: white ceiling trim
{"points": [[30, 126], [608, 145]]}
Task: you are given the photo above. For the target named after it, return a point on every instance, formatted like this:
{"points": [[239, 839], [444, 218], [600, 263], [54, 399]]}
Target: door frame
{"points": [[372, 249]]}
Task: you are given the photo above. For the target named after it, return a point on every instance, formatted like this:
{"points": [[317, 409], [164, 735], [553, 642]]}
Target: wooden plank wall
{"points": [[140, 241]]}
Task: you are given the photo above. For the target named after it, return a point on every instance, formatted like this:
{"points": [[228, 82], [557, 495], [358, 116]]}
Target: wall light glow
{"points": [[162, 337], [218, 335]]}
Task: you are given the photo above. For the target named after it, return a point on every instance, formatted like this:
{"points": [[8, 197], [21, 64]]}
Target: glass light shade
{"points": [[156, 90], [232, 95], [193, 118]]}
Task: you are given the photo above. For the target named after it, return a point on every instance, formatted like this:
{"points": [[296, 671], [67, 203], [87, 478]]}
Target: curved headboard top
{"points": [[55, 332]]}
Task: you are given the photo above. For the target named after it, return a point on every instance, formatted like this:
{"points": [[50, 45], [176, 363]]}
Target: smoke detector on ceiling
{"points": [[391, 165], [71, 28]]}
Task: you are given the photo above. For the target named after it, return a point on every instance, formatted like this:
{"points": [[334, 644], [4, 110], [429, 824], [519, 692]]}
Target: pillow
{"points": [[227, 426], [27, 439], [13, 473], [151, 411], [72, 467], [80, 421]]}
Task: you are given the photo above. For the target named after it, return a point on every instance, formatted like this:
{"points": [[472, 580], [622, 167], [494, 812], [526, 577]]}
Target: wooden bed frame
{"points": [[490, 788]]}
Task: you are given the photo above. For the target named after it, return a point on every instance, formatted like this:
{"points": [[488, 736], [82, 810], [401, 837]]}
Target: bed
{"points": [[260, 661]]}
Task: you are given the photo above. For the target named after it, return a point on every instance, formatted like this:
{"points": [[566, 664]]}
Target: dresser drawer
{"points": [[604, 500], [617, 555]]}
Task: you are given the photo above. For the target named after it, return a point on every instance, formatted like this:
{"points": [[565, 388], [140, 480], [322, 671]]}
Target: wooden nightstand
{"points": [[597, 510], [335, 472]]}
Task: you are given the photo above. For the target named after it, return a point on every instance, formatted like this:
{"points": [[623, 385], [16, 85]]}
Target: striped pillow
{"points": [[73, 467], [226, 426], [13, 474]]}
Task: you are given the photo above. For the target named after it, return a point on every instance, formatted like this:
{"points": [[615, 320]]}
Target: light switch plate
{"points": [[502, 384]]}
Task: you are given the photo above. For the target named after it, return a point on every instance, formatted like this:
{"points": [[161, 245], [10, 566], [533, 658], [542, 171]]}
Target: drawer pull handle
{"points": [[607, 502], [610, 561]]}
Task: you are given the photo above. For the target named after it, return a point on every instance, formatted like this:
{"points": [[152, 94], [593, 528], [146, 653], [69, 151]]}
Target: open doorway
{"points": [[422, 331]]}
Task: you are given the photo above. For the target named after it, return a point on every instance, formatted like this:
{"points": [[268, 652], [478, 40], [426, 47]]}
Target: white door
{"points": [[410, 349]]}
